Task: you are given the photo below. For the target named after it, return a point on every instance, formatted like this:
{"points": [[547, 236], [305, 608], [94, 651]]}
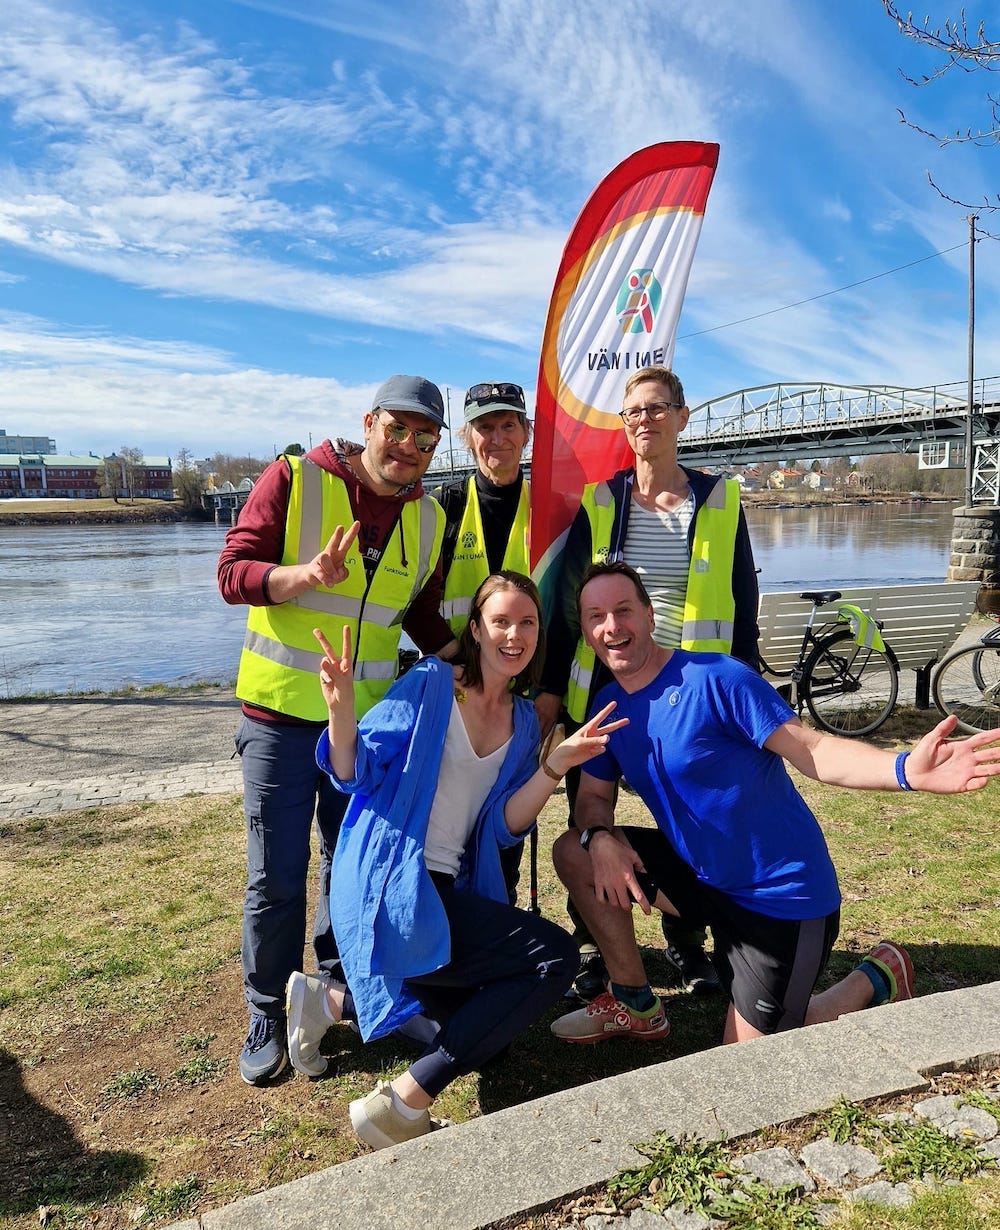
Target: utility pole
{"points": [[973, 219], [451, 445]]}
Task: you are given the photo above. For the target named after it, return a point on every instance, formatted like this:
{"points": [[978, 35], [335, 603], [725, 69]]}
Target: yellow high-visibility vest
{"points": [[279, 665], [470, 566], [709, 605]]}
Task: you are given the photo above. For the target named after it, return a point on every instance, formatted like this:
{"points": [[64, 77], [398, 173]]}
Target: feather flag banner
{"points": [[614, 309]]}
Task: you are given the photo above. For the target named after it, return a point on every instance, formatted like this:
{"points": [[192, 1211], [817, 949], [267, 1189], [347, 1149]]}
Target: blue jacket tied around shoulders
{"points": [[387, 916]]}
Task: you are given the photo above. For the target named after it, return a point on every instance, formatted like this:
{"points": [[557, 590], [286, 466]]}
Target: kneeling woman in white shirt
{"points": [[443, 772]]}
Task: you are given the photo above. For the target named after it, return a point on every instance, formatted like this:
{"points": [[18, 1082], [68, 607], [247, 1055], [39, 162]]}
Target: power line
{"points": [[825, 295]]}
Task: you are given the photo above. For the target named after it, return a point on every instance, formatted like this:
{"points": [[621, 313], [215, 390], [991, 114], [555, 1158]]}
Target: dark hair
{"points": [[468, 647], [657, 375], [618, 568]]}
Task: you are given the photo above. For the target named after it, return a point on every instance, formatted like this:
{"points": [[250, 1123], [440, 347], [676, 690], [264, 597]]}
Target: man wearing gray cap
{"points": [[341, 536]]}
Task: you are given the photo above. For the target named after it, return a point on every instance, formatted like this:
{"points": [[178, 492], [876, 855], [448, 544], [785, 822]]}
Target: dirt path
{"points": [[68, 737]]}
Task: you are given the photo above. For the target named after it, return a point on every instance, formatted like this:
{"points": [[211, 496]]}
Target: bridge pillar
{"points": [[975, 552]]}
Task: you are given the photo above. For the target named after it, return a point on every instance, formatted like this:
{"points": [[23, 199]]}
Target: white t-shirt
{"points": [[656, 546], [464, 783]]}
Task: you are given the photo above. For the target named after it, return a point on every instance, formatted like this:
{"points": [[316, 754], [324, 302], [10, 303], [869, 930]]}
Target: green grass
{"points": [[128, 919]]}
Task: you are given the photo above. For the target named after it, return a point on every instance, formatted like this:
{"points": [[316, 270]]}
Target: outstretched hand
{"points": [[587, 742], [336, 675], [942, 767]]}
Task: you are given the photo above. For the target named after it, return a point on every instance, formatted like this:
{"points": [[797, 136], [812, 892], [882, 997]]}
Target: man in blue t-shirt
{"points": [[735, 845]]}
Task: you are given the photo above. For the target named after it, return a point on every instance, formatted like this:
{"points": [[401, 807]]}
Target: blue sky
{"points": [[223, 224]]}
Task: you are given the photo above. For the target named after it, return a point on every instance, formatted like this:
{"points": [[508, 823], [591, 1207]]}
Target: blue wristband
{"points": [[901, 771]]}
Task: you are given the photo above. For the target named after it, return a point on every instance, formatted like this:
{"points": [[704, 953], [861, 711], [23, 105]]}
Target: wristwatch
{"points": [[587, 836]]}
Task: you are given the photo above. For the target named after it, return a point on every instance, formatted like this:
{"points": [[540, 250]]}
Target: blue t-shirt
{"points": [[693, 750]]}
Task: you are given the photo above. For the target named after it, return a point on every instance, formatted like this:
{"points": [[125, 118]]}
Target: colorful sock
{"points": [[640, 1000], [883, 983]]}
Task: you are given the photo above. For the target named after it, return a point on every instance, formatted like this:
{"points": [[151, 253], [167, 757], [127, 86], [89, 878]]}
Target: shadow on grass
{"points": [[35, 1141]]}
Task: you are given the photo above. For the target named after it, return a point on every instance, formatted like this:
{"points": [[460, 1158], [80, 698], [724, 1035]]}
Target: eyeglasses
{"points": [[509, 394], [399, 433], [654, 412]]}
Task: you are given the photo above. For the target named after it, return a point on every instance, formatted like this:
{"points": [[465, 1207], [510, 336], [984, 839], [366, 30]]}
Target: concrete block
{"points": [[951, 1031]]}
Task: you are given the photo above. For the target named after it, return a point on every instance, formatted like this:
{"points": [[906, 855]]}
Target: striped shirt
{"points": [[656, 546]]}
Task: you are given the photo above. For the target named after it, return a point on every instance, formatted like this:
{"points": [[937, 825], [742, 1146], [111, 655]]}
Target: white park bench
{"points": [[920, 623]]}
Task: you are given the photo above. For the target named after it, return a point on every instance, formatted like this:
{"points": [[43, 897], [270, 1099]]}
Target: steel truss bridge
{"points": [[785, 422], [793, 421]]}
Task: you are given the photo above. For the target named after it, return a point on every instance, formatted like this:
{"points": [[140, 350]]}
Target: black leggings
{"points": [[507, 968]]}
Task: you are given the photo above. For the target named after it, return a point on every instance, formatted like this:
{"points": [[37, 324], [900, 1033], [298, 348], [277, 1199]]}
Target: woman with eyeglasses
{"points": [[486, 516], [441, 775]]}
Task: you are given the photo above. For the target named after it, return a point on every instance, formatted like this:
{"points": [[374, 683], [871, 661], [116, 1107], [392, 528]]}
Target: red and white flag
{"points": [[614, 309]]}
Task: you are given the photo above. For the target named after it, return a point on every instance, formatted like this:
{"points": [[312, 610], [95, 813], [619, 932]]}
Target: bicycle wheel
{"points": [[849, 689], [967, 684]]}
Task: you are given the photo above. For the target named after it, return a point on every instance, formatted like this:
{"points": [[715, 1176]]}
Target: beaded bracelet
{"points": [[901, 771]]}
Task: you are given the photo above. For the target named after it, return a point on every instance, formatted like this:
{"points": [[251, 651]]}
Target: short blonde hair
{"points": [[657, 375]]}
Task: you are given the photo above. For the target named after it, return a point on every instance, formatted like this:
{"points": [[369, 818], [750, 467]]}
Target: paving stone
{"points": [[956, 1120], [991, 1149], [645, 1219], [883, 1193], [837, 1164], [898, 1117], [777, 1168], [826, 1212], [679, 1218], [600, 1221]]}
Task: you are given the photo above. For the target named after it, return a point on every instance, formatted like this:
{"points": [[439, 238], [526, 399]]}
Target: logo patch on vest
{"points": [[468, 540], [602, 555]]}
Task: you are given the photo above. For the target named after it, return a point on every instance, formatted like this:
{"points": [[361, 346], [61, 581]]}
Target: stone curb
{"points": [[527, 1157], [48, 796]]}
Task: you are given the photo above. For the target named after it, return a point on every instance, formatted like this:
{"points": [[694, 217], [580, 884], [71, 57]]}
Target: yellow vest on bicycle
{"points": [[279, 665], [709, 605]]}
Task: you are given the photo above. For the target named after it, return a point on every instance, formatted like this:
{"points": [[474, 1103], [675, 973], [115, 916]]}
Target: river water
{"points": [[102, 607]]}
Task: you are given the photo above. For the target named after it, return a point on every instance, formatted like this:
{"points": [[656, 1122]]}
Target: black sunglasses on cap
{"points": [[508, 394]]}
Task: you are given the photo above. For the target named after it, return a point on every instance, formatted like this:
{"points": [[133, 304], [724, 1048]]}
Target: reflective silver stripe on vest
{"points": [[347, 608], [428, 531], [311, 525], [368, 669], [581, 676], [456, 608], [283, 655], [717, 496], [708, 630]]}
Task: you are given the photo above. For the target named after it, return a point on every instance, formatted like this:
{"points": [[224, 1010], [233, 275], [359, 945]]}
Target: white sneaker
{"points": [[380, 1125], [308, 1022]]}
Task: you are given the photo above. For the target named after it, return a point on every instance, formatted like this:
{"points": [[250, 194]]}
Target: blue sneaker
{"points": [[264, 1054]]}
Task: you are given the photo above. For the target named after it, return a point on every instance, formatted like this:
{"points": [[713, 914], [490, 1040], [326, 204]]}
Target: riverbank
{"points": [[140, 512], [92, 512]]}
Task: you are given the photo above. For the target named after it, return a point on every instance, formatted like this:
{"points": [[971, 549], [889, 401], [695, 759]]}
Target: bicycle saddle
{"points": [[822, 597]]}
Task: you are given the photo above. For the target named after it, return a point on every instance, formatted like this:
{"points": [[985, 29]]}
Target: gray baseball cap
{"points": [[412, 393]]}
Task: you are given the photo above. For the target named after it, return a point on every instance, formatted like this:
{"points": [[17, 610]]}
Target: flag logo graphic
{"points": [[638, 301]]}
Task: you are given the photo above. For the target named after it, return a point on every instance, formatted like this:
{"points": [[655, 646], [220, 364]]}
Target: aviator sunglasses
{"points": [[509, 394], [399, 433]]}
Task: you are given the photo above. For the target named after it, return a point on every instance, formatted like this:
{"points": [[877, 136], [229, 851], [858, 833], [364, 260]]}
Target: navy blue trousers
{"points": [[283, 791], [507, 968]]}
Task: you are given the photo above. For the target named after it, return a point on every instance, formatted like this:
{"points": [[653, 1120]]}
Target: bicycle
{"points": [[847, 677], [967, 684]]}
